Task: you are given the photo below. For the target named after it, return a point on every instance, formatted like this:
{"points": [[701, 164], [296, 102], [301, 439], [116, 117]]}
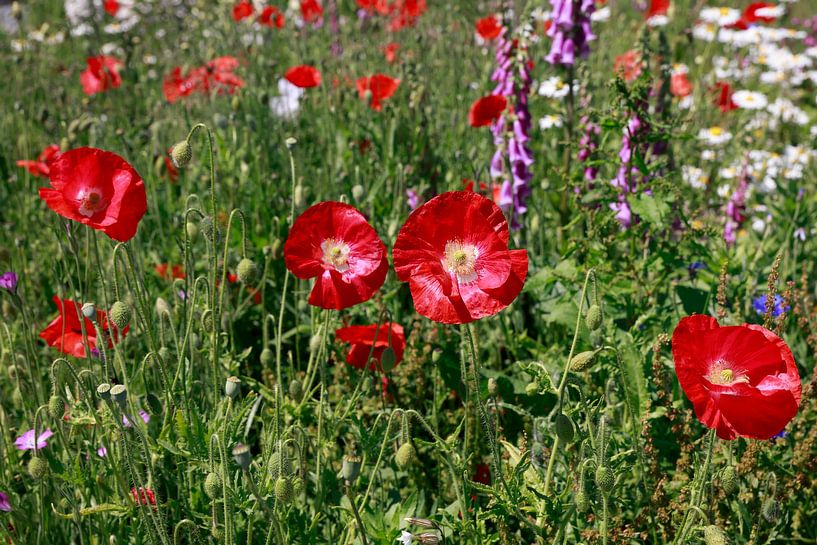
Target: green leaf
{"points": [[649, 209]]}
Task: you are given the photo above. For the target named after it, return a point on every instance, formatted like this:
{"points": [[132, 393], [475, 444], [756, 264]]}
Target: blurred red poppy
{"points": [[272, 17], [723, 96], [242, 10], [217, 75], [679, 85], [742, 380], [97, 188], [333, 243], [628, 65], [453, 252], [311, 11], [144, 496], [657, 7], [486, 110], [111, 7], [303, 76], [40, 166], [65, 331], [100, 75], [489, 28], [376, 89], [175, 271], [362, 339], [390, 51]]}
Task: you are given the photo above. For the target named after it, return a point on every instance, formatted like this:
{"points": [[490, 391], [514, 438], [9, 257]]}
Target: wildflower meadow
{"points": [[413, 272]]}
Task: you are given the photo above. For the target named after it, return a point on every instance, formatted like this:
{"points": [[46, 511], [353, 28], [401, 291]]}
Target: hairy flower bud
{"points": [[192, 230], [714, 536], [267, 357], [770, 510], [162, 307], [605, 480], [406, 455], [582, 501], [582, 361], [593, 317], [181, 154], [212, 485], [280, 464], [37, 467], [357, 192], [247, 271], [565, 429], [388, 359], [120, 315], [284, 492], [296, 390], [729, 480], [56, 407]]}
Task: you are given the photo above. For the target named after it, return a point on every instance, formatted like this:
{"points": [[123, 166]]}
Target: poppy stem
{"points": [[698, 487]]}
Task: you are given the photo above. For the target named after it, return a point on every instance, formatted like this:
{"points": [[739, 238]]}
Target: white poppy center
{"points": [[461, 260], [723, 373], [335, 254], [90, 202]]}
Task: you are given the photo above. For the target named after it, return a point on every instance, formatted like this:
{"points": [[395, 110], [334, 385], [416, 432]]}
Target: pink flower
{"points": [[26, 441]]}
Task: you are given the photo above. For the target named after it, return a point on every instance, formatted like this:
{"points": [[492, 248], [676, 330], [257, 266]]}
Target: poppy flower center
{"points": [[722, 373], [461, 259], [335, 254], [90, 202]]}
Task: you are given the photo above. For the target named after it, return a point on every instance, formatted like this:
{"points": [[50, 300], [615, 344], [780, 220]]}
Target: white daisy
{"points": [[714, 136], [722, 16], [554, 87], [749, 100], [550, 121]]}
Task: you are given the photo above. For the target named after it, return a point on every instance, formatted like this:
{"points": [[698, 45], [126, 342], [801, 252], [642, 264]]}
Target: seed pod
{"points": [[120, 395], [406, 455], [104, 391], [729, 480], [593, 317], [89, 311], [212, 485], [283, 490], [290, 142], [605, 480], [232, 386], [351, 468], [242, 456], [357, 192], [565, 429], [181, 154], [120, 315], [56, 407], [37, 468], [714, 536], [582, 361], [247, 271]]}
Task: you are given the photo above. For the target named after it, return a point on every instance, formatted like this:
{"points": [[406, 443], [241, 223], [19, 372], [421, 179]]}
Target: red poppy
{"points": [[380, 6], [679, 85], [176, 271], [489, 28], [65, 332], [303, 76], [97, 188], [40, 166], [362, 339], [376, 88], [486, 110], [453, 252], [311, 11], [242, 10], [628, 65], [657, 7], [217, 75], [723, 96], [742, 380], [390, 51], [271, 17], [111, 7], [102, 74], [144, 496], [333, 242]]}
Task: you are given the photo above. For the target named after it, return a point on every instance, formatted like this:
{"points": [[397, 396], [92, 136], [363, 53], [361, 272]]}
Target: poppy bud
{"points": [[582, 361], [283, 490], [56, 407], [231, 387], [37, 467], [207, 320], [582, 501], [104, 391], [212, 485], [217, 532], [89, 311], [207, 228], [357, 192], [181, 154], [532, 389], [770, 510], [428, 538], [266, 356], [162, 307], [714, 536], [120, 395], [120, 315], [297, 485], [351, 468], [388, 359], [275, 249], [279, 464], [729, 480], [296, 389], [242, 456], [290, 142], [192, 229], [12, 372], [493, 387], [298, 196], [406, 455], [593, 317], [315, 343], [605, 480], [565, 430], [247, 271], [423, 523]]}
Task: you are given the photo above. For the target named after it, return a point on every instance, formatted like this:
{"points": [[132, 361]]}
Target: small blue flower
{"points": [[694, 267], [759, 304]]}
